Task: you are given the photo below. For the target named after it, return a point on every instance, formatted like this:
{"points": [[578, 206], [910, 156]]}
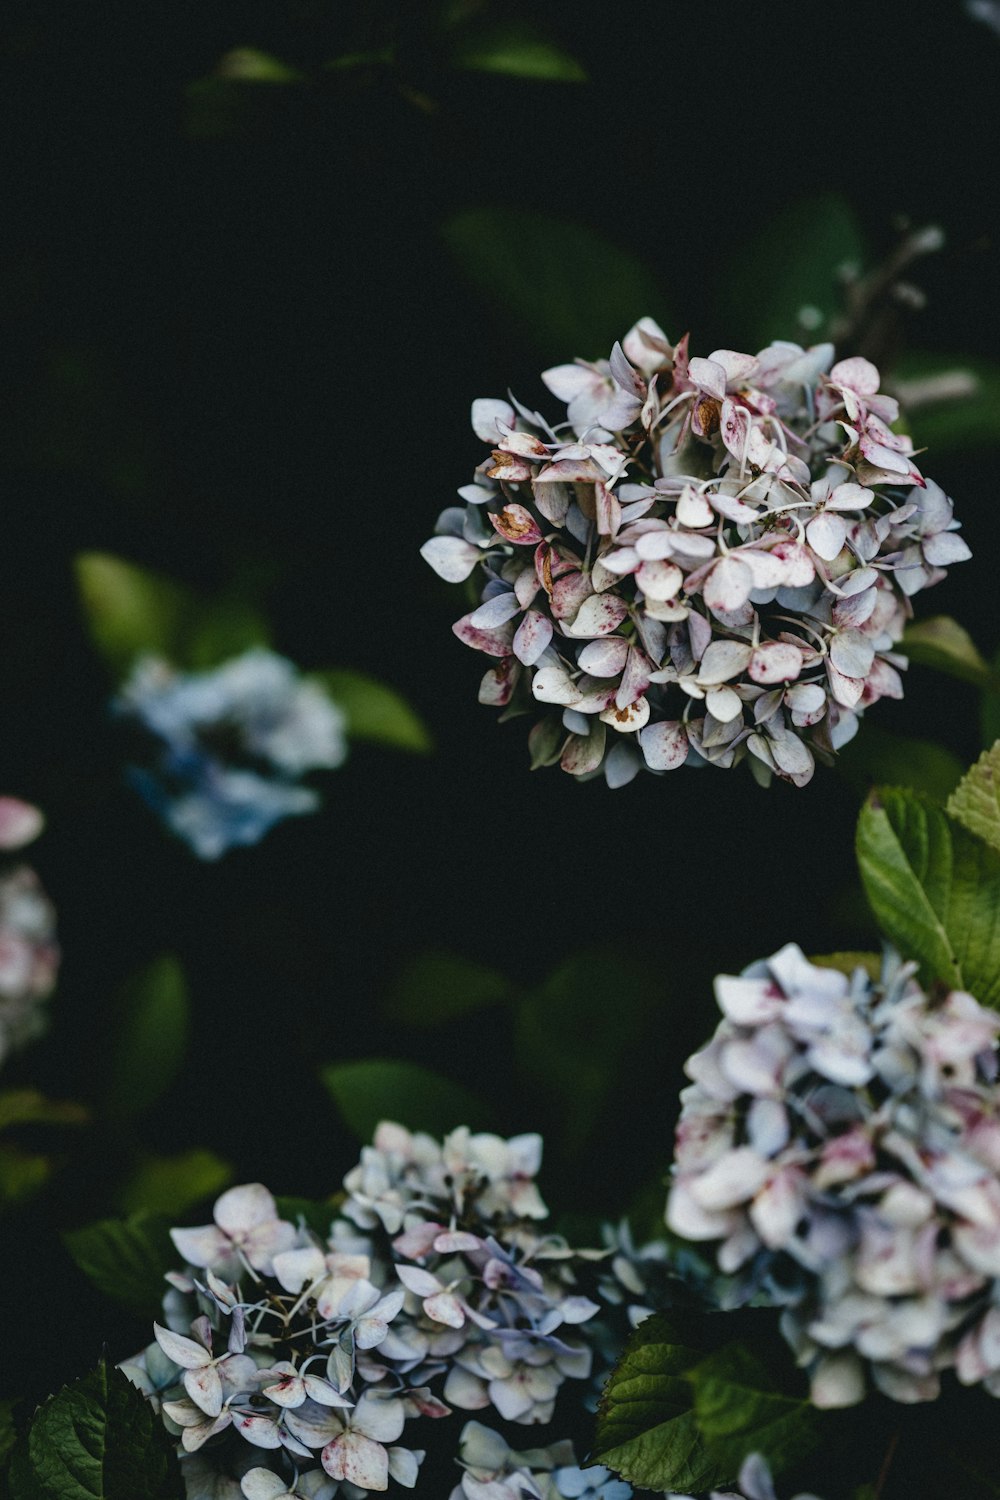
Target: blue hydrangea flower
{"points": [[590, 1484], [230, 746]]}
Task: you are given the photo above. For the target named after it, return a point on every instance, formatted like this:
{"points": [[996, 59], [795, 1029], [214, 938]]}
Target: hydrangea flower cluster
{"points": [[841, 1138], [29, 954], [706, 560], [293, 1359], [230, 746]]}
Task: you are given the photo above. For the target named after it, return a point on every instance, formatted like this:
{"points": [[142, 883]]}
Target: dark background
{"points": [[232, 338]]}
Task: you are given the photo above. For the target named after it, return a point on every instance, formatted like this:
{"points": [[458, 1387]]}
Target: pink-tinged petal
{"points": [[508, 468], [654, 546], [800, 569], [608, 510], [722, 660], [204, 1386], [775, 661], [495, 612], [554, 685], [184, 1352], [605, 658], [738, 367], [569, 593], [708, 376], [457, 1242], [418, 1281], [288, 1391], [635, 679], [732, 1179], [516, 524], [205, 1246], [486, 413], [193, 1438], [569, 471], [748, 1002], [826, 535], [857, 374], [664, 745], [687, 1218], [850, 496], [806, 703], [584, 752], [629, 719], [417, 1242], [852, 653], [19, 823], [532, 637], [523, 445], [492, 642], [356, 1459], [660, 580], [552, 499], [497, 686], [526, 586], [245, 1207], [568, 381], [724, 704], [295, 1269], [779, 1206], [600, 614], [728, 585], [445, 1308], [451, 558], [857, 609], [846, 691], [262, 1432]]}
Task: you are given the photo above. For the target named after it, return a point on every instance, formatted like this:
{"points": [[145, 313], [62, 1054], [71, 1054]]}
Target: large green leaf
{"points": [[569, 291], [375, 711], [151, 1035], [99, 1439], [383, 1088], [790, 265], [975, 802], [125, 1258], [934, 889], [517, 50], [951, 404], [943, 644], [440, 987], [739, 1411], [646, 1427]]}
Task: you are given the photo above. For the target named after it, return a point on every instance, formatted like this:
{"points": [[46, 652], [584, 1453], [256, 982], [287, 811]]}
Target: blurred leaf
{"points": [[151, 1036], [574, 1033], [943, 644], [975, 803], [989, 709], [383, 1088], [100, 1439], [172, 1185], [790, 264], [250, 65], [130, 610], [221, 629], [519, 51], [317, 1215], [8, 1432], [739, 1410], [126, 1259], [569, 291], [440, 987], [846, 963], [375, 711], [934, 889], [952, 404], [21, 1173], [878, 757], [29, 1107], [21, 1483]]}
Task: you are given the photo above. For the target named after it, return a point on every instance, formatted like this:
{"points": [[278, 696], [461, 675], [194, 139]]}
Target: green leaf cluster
{"points": [[126, 1259]]}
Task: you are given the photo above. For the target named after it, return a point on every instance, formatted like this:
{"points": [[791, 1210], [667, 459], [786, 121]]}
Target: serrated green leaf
{"points": [[975, 802], [790, 265], [646, 1429], [440, 987], [569, 291], [375, 711], [151, 1036], [952, 403], [99, 1439], [172, 1185], [934, 890], [847, 962], [126, 1258], [880, 758], [130, 610], [739, 1411], [943, 644], [518, 51], [382, 1088], [21, 1481]]}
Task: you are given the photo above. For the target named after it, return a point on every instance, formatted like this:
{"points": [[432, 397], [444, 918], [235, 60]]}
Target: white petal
{"points": [[604, 658], [826, 534], [379, 1418], [665, 745], [262, 1484], [728, 585], [776, 661], [184, 1352], [404, 1467], [708, 376], [486, 413], [532, 637], [496, 611], [660, 580], [451, 558], [723, 660], [852, 653], [246, 1207], [553, 685], [205, 1246], [627, 720], [298, 1268], [600, 614], [356, 1459], [724, 704], [418, 1281]]}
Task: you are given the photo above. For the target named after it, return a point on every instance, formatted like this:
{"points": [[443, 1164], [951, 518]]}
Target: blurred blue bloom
{"points": [[230, 745]]}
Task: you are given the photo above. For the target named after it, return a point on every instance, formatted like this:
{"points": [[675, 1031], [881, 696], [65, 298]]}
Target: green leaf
{"points": [[21, 1481], [29, 1107], [878, 757], [221, 629], [573, 1043], [739, 1411], [934, 890], [375, 711], [125, 1258], [975, 802], [989, 711], [99, 1439], [151, 1036], [22, 1173], [250, 65], [518, 51], [846, 963], [130, 610], [440, 987], [946, 646], [790, 265], [172, 1185], [8, 1432], [646, 1427], [569, 291], [951, 404], [383, 1088]]}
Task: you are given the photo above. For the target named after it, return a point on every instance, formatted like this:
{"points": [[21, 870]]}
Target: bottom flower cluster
{"points": [[296, 1363]]}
